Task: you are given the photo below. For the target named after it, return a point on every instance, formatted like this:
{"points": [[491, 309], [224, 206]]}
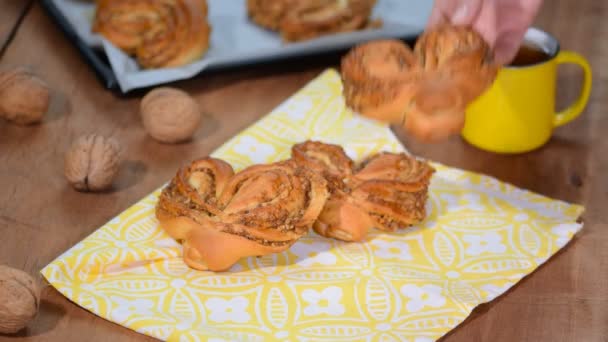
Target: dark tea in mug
{"points": [[529, 55]]}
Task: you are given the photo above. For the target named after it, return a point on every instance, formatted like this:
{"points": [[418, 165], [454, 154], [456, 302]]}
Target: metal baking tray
{"points": [[74, 17]]}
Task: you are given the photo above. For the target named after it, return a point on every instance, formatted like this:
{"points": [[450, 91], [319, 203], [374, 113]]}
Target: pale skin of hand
{"points": [[502, 23]]}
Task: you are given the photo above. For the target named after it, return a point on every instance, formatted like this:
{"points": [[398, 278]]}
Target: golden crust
{"points": [[387, 191], [298, 20], [221, 216], [268, 13], [158, 33], [392, 188], [326, 159], [315, 18], [425, 89], [377, 77], [451, 49]]}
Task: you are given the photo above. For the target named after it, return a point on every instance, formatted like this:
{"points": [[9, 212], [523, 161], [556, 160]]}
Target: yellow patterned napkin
{"points": [[480, 238]]}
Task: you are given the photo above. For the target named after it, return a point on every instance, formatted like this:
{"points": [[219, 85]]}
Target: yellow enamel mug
{"points": [[517, 113]]}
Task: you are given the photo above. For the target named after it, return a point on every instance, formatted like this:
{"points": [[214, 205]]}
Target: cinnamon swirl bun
{"points": [[221, 217], [159, 33], [388, 191], [425, 90], [298, 20]]}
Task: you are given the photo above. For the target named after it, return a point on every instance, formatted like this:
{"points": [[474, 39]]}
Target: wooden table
{"points": [[41, 216]]}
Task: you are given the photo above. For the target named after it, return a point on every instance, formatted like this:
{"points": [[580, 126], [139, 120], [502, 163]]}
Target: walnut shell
{"points": [[24, 98], [19, 299], [170, 115], [92, 162]]}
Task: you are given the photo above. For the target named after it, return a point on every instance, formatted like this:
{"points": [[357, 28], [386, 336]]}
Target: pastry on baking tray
{"points": [[269, 13], [298, 20], [159, 33], [427, 89], [388, 191], [221, 217]]}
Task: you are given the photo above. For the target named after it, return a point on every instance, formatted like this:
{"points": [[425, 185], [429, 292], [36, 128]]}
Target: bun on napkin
{"points": [[388, 191], [221, 216], [158, 33], [298, 20], [425, 90]]}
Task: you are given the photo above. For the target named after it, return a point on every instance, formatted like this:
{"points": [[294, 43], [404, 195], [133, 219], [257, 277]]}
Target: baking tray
{"points": [[325, 50]]}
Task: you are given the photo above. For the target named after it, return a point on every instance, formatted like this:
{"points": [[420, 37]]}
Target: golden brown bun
{"points": [[378, 79], [298, 20], [158, 33], [222, 217], [328, 160], [425, 90], [393, 189], [388, 191], [343, 219], [269, 13]]}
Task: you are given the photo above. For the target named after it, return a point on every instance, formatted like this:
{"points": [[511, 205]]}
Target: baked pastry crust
{"points": [[269, 13], [159, 33], [298, 20], [221, 217], [387, 191], [328, 160], [427, 89], [393, 189]]}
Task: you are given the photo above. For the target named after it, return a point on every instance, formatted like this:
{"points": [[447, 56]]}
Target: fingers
{"points": [[486, 23], [502, 23], [507, 46], [456, 12], [513, 26], [437, 17]]}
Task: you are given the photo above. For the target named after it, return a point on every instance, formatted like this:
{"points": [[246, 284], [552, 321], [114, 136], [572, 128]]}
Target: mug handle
{"points": [[572, 112]]}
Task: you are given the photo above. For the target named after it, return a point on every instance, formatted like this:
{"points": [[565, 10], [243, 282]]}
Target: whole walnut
{"points": [[92, 162], [24, 98], [19, 299], [170, 115]]}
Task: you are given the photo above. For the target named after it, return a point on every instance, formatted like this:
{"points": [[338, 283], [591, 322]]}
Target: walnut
{"points": [[170, 115], [24, 98], [92, 162], [19, 299]]}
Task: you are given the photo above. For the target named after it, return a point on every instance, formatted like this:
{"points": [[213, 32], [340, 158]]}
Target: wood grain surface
{"points": [[11, 14], [41, 216]]}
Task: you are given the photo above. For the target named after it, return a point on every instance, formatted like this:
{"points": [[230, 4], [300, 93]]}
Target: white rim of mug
{"points": [[533, 34]]}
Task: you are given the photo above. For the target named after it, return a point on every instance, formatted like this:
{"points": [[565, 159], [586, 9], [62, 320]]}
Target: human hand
{"points": [[502, 23]]}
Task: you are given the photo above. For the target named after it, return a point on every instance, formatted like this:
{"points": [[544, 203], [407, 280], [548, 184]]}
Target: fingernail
{"points": [[460, 16]]}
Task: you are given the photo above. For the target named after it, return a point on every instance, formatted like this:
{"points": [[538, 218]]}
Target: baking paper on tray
{"points": [[235, 40]]}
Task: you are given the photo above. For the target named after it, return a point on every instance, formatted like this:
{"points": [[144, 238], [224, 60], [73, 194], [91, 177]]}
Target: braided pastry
{"points": [[388, 191], [392, 188], [159, 33], [221, 217], [328, 160], [425, 90], [298, 20]]}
